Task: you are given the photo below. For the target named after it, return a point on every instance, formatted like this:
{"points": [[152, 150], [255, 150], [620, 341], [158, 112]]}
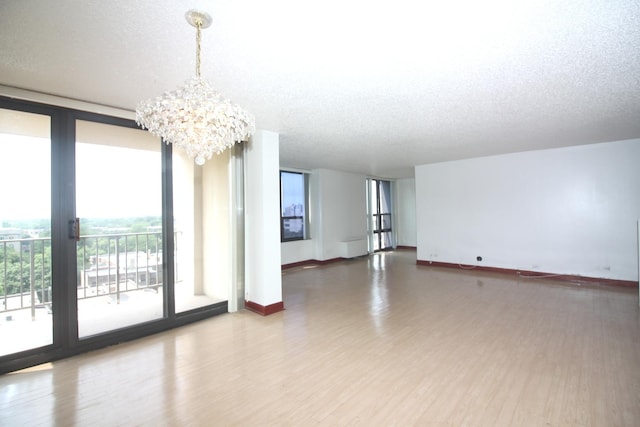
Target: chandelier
{"points": [[194, 117]]}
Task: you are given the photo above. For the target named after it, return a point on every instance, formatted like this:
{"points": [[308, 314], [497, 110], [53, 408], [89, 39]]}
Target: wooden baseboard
{"points": [[534, 274], [264, 310], [310, 262], [332, 260]]}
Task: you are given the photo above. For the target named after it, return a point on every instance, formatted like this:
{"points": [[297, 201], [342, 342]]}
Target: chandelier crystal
{"points": [[194, 117]]}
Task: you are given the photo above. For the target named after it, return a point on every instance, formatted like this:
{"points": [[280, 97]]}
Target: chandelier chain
{"points": [[198, 41]]}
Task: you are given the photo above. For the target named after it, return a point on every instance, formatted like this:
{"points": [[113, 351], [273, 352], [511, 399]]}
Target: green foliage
{"points": [[101, 237], [15, 267]]}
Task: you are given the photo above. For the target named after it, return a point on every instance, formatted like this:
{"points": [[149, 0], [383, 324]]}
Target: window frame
{"points": [[379, 215], [305, 215]]}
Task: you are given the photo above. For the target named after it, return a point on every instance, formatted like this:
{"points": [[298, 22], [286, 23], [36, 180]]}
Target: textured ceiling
{"points": [[363, 86]]}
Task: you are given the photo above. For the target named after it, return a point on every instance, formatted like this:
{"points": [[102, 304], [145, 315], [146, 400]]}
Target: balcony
{"points": [[119, 283]]}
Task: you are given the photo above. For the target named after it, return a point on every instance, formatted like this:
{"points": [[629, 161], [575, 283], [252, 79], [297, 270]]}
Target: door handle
{"points": [[74, 229]]}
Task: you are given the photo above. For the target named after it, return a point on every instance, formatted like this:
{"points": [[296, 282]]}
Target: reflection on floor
{"points": [[19, 330], [372, 341]]}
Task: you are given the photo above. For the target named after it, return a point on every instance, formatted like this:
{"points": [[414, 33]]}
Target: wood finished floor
{"points": [[374, 341]]}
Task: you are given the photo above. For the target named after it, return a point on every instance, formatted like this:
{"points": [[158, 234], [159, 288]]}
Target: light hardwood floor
{"points": [[375, 341]]}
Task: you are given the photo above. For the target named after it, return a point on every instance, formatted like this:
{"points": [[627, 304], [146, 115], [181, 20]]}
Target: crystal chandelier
{"points": [[195, 117]]}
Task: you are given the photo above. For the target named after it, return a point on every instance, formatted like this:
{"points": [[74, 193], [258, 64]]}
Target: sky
{"points": [[292, 189], [117, 182], [110, 181], [25, 177]]}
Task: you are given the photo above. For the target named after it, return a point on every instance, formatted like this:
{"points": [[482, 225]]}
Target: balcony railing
{"points": [[25, 278], [108, 265]]}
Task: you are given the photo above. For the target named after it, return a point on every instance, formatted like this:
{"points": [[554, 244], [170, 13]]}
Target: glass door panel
{"points": [[25, 232], [374, 228], [379, 208], [119, 239], [384, 203]]}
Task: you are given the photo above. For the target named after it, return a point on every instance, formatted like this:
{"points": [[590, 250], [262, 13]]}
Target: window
{"points": [[293, 206], [98, 246], [380, 232]]}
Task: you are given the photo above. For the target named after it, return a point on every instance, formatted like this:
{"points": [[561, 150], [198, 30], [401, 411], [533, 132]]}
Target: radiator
{"points": [[353, 248]]}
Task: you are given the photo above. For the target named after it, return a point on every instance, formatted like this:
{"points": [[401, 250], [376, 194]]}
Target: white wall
{"points": [[298, 250], [404, 196], [216, 227], [186, 213], [342, 212], [570, 210], [263, 279], [337, 213]]}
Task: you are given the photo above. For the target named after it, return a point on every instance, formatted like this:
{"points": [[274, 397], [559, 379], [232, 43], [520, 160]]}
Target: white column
{"points": [[263, 279]]}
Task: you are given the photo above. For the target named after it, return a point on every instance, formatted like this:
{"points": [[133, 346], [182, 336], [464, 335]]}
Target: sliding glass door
{"points": [[25, 230], [92, 250], [119, 219], [379, 208]]}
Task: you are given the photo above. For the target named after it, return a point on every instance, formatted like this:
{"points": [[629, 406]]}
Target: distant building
{"points": [[294, 210], [33, 233], [145, 269], [11, 234]]}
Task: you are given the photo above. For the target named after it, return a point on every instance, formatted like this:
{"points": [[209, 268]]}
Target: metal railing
{"points": [[108, 264], [25, 278]]}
